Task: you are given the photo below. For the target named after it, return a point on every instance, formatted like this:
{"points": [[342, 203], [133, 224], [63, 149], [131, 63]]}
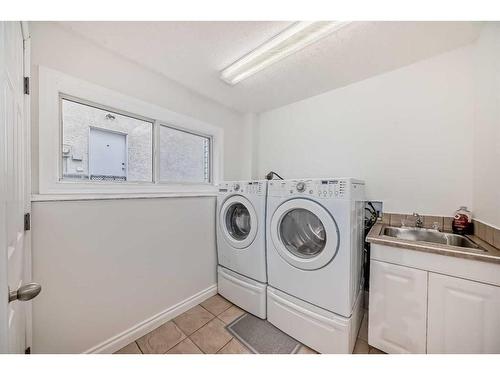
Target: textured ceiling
{"points": [[193, 54]]}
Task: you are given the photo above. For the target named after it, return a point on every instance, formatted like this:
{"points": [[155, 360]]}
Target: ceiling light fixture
{"points": [[290, 40]]}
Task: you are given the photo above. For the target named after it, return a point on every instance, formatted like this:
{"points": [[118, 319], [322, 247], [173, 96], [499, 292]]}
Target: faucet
{"points": [[419, 223]]}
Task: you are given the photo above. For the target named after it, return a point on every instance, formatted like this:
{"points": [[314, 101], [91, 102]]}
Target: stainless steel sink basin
{"points": [[430, 235]]}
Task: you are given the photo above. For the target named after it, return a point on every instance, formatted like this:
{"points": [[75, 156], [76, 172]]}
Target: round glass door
{"points": [[303, 233], [238, 222]]}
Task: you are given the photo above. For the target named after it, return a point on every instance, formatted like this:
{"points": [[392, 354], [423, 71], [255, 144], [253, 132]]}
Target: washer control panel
{"points": [[327, 188], [243, 187]]}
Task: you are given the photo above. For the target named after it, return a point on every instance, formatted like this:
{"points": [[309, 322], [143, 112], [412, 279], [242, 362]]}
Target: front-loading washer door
{"points": [[304, 234], [238, 221]]}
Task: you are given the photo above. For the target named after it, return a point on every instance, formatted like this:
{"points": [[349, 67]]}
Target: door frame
{"points": [[25, 160], [27, 138]]}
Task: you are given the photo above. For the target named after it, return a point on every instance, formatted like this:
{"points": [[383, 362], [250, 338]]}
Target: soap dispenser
{"points": [[462, 221]]}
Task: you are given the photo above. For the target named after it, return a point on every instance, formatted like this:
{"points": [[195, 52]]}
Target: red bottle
{"points": [[462, 221]]}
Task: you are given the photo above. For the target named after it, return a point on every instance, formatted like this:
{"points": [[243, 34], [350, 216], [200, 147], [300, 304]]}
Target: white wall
{"points": [[487, 127], [408, 133], [106, 266]]}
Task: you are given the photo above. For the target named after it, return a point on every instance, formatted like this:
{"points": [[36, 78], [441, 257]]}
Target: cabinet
{"points": [[414, 310], [463, 316], [398, 308]]}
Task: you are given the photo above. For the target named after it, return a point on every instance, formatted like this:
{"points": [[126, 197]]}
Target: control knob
{"points": [[301, 186], [236, 187]]}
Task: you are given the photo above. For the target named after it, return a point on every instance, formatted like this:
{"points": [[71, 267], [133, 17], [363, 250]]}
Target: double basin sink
{"points": [[430, 235]]}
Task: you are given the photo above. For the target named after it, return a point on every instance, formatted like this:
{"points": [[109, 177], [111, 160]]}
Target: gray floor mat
{"points": [[262, 337]]}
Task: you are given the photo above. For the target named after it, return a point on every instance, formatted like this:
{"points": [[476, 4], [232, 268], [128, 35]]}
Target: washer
{"points": [[241, 244], [314, 257]]}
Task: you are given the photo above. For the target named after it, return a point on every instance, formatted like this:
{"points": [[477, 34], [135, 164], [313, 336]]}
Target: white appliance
{"points": [[241, 244], [314, 258]]}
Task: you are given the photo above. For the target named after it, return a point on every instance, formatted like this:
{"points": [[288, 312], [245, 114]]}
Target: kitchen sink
{"points": [[430, 235]]}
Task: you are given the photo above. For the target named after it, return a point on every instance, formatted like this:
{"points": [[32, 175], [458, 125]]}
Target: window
{"points": [[184, 157], [105, 145], [101, 145], [93, 140]]}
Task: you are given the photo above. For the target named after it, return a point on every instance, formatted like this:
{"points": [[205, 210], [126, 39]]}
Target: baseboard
{"points": [[119, 341]]}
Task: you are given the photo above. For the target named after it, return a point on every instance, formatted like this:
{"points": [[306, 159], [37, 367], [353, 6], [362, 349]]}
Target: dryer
{"points": [[241, 245], [314, 255]]}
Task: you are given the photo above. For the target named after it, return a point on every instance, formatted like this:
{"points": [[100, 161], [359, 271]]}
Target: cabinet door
{"points": [[464, 316], [398, 308]]}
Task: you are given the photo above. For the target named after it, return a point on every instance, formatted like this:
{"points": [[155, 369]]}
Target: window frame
{"points": [[63, 96], [55, 87], [210, 156]]}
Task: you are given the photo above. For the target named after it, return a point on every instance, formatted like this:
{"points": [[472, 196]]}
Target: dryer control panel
{"points": [[243, 187], [331, 188]]}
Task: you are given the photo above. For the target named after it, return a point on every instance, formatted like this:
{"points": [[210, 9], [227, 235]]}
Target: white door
{"points": [[14, 195], [107, 155], [304, 234], [398, 308], [464, 316]]}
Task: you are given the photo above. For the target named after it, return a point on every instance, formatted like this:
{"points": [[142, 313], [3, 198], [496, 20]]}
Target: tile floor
{"points": [[202, 330]]}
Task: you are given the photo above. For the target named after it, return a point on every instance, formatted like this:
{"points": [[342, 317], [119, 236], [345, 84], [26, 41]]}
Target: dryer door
{"points": [[304, 234], [238, 221]]}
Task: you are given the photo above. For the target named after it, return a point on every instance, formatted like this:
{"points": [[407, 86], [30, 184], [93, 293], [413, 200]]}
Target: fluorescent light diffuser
{"points": [[290, 40]]}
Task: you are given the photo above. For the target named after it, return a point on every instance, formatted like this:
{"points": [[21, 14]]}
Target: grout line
{"points": [[215, 317], [201, 350], [199, 327], [225, 310], [180, 330], [186, 338], [189, 336], [202, 326], [225, 345], [136, 343]]}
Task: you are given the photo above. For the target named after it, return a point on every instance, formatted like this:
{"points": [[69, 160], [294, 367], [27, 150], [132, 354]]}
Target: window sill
{"points": [[93, 197]]}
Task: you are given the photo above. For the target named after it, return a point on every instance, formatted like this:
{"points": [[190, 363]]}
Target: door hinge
{"points": [[27, 350], [27, 85], [27, 221]]}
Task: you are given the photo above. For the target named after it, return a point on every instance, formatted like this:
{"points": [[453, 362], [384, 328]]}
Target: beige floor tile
{"points": [[234, 347], [216, 304], [131, 348], [211, 337], [185, 347], [162, 339], [193, 319], [363, 330], [231, 314], [306, 350], [375, 351], [361, 347]]}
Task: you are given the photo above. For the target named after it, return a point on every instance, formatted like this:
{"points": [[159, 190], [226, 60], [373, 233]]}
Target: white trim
{"points": [[27, 194], [126, 337], [86, 197], [53, 83]]}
